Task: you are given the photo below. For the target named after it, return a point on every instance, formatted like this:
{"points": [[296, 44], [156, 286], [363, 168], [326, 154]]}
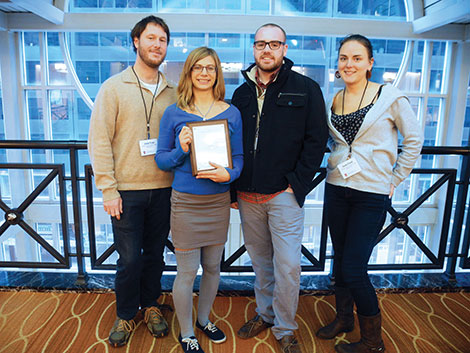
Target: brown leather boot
{"points": [[344, 321], [371, 337]]}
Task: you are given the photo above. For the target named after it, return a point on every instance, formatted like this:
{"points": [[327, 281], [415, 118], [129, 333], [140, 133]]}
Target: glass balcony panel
{"points": [[399, 248]]}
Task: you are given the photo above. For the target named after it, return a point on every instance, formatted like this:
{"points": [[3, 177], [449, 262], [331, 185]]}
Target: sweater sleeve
{"points": [[314, 144], [236, 144], [409, 127], [169, 152], [100, 138]]}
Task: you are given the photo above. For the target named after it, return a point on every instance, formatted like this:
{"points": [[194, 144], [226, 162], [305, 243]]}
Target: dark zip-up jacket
{"points": [[292, 134]]}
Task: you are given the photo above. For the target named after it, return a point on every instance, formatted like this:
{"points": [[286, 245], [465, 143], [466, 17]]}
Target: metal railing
{"points": [[455, 206]]}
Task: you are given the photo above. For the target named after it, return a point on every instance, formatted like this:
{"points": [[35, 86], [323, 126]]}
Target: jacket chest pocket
{"points": [[291, 100], [291, 116]]}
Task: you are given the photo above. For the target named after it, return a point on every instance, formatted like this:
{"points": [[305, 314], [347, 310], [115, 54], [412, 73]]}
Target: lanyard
{"points": [[147, 116]]}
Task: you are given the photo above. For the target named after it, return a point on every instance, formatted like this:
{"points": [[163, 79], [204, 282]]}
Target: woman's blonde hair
{"points": [[185, 86]]}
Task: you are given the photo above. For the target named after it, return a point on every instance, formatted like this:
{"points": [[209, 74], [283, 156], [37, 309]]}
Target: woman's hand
{"points": [[186, 137], [219, 174], [392, 190]]}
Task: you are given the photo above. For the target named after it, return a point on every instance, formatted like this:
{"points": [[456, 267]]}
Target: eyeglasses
{"points": [[210, 69], [274, 44]]}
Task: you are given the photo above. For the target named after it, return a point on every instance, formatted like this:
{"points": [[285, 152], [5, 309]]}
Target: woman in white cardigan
{"points": [[363, 171]]}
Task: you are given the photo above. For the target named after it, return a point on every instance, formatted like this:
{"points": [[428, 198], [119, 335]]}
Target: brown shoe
{"points": [[253, 327], [289, 345], [155, 321]]}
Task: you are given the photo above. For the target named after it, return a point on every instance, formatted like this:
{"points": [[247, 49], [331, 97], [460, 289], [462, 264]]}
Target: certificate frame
{"points": [[211, 142]]}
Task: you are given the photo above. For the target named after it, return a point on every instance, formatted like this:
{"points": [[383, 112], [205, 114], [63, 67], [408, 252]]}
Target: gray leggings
{"points": [[187, 265]]}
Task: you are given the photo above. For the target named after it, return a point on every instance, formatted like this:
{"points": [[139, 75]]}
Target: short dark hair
{"points": [[361, 39], [272, 25], [142, 24]]}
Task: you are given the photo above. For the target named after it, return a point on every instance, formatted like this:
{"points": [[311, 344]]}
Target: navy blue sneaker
{"points": [[213, 332], [190, 344]]}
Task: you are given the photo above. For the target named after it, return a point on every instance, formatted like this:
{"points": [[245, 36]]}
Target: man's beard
{"points": [[144, 56], [271, 67]]}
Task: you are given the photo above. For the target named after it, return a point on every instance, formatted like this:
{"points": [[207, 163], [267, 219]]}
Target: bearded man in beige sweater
{"points": [[136, 194]]}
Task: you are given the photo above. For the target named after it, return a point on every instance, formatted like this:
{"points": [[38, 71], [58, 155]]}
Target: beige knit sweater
{"points": [[116, 127]]}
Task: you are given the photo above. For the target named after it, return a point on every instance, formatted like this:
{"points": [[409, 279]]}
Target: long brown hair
{"points": [[185, 86]]}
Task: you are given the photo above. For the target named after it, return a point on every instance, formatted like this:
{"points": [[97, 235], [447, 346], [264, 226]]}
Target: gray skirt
{"points": [[199, 220]]}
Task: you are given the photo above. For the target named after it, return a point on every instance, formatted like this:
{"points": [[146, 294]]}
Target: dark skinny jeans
{"points": [[355, 219]]}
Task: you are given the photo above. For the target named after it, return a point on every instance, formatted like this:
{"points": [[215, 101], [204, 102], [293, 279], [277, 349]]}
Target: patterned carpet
{"points": [[37, 322]]}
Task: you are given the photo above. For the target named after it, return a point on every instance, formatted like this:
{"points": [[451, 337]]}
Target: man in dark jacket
{"points": [[284, 139]]}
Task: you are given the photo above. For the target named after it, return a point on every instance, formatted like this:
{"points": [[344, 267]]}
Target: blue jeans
{"points": [[355, 219], [140, 236]]}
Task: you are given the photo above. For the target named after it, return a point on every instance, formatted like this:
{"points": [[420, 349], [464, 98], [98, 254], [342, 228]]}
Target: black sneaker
{"points": [[213, 332], [190, 344]]}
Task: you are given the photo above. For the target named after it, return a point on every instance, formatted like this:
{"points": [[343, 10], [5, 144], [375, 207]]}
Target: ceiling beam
{"points": [[452, 13], [43, 9]]}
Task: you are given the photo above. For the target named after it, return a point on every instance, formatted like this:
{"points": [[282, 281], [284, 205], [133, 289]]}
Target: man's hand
{"points": [[234, 205], [289, 190], [219, 174], [113, 207]]}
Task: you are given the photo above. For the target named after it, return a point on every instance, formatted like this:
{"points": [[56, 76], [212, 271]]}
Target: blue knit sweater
{"points": [[170, 155]]}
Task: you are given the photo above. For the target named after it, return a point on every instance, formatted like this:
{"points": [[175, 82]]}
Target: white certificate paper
{"points": [[210, 145]]}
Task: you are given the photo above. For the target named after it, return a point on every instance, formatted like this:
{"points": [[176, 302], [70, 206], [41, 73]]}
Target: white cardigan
{"points": [[375, 146]]}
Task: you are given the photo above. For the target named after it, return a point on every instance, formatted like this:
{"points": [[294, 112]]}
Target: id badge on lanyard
{"points": [[148, 147], [349, 167]]}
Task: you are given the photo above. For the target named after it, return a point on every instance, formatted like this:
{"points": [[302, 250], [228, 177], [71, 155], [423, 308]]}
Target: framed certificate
{"points": [[211, 143]]}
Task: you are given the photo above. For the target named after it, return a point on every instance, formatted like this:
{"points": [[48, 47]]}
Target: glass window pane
{"points": [[35, 114], [88, 71], [110, 68], [221, 6], [183, 4], [412, 80], [58, 73], [2, 122], [69, 115], [94, 64], [32, 58], [431, 120], [114, 39], [259, 6], [375, 8], [287, 7], [437, 66], [86, 39], [466, 129]]}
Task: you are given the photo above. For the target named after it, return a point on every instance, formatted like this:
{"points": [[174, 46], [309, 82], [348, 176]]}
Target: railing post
{"points": [[458, 217], [77, 216]]}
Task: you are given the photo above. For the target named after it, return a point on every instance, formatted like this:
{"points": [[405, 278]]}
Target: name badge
{"points": [[148, 147], [349, 168]]}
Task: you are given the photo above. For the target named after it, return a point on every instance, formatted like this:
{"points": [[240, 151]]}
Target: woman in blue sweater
{"points": [[200, 205]]}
